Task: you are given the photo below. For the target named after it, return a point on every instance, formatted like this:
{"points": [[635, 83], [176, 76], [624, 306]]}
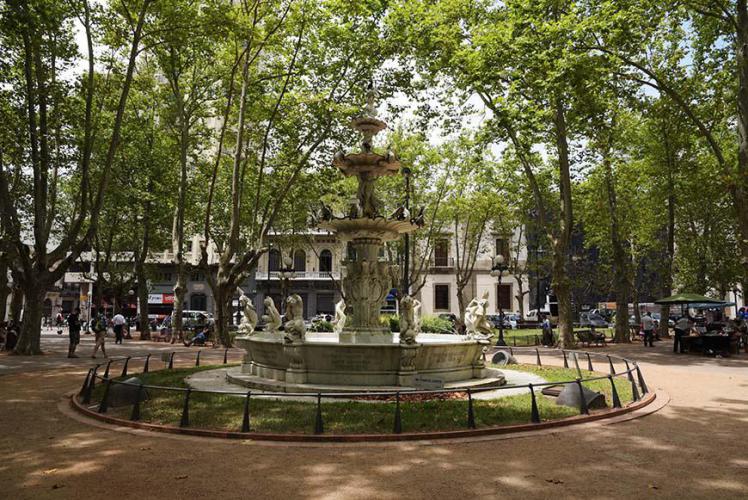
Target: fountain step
{"points": [[235, 376]]}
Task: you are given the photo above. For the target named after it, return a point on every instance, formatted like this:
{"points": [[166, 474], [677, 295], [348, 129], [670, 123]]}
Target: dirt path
{"points": [[694, 447]]}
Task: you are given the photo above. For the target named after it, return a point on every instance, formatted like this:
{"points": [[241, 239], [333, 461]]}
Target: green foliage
{"points": [[435, 324], [321, 326]]}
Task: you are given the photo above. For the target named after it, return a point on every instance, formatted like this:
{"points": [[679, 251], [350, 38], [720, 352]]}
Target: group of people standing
{"points": [[99, 325]]}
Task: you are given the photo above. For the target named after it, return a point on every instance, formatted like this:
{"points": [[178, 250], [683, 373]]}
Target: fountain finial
{"points": [[371, 95]]}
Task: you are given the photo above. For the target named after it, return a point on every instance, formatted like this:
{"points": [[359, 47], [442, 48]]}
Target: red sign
{"points": [[168, 298]]}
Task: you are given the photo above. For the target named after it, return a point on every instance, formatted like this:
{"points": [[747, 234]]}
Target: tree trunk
{"points": [[740, 182], [145, 325], [4, 289], [16, 302], [222, 298], [521, 297], [180, 289], [562, 243], [29, 341], [461, 306]]}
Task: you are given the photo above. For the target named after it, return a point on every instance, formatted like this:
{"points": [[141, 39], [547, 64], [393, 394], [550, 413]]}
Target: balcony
{"points": [[299, 275], [442, 262]]}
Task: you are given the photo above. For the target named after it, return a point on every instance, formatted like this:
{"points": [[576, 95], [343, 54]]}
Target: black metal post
{"points": [[537, 357], [319, 427], [197, 358], [225, 356], [106, 372], [147, 362], [634, 391], [566, 361], [471, 412], [104, 404], [535, 414], [589, 363], [628, 371], [86, 382], [643, 385], [135, 415], [398, 427], [614, 391], [501, 341], [185, 421], [124, 368], [89, 390], [245, 419], [612, 368], [171, 360], [406, 238], [582, 400]]}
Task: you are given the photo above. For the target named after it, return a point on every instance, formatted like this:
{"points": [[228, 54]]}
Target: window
{"points": [[325, 261], [299, 260], [164, 277], [502, 248], [441, 253], [198, 302], [504, 294], [274, 260], [441, 297], [197, 276]]}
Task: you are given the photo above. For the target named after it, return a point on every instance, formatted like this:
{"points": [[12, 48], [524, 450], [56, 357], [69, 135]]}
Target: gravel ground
{"points": [[695, 447]]}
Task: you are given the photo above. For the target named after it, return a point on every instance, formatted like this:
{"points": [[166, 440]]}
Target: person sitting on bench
{"points": [[198, 339]]}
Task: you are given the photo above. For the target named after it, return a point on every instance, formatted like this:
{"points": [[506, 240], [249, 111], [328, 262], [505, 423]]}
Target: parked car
{"points": [[656, 317], [510, 320], [592, 319]]}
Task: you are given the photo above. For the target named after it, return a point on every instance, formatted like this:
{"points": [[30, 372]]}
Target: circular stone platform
{"points": [[219, 380]]}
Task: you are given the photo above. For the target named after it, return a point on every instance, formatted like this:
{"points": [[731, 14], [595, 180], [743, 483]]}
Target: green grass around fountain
{"points": [[225, 412]]}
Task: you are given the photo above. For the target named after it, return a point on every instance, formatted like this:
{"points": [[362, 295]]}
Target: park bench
{"points": [[589, 337]]}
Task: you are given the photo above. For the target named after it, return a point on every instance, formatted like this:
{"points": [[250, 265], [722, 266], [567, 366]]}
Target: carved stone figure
{"points": [[272, 316], [407, 321], [476, 322], [249, 313], [366, 194], [340, 317], [417, 315], [295, 328]]}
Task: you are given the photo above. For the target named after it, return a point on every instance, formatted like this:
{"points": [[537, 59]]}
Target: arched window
{"points": [[299, 260], [325, 261], [274, 260]]}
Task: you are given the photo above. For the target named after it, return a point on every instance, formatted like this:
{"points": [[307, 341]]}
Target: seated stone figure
{"points": [[340, 317], [295, 328], [272, 316], [249, 316], [476, 323], [407, 321]]}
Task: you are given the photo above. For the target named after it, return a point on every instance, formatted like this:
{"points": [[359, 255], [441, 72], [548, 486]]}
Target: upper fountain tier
{"points": [[366, 161]]}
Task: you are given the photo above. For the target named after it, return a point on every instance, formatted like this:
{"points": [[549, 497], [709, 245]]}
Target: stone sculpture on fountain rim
{"points": [[272, 316], [249, 315], [294, 326], [408, 330], [340, 317], [476, 322]]}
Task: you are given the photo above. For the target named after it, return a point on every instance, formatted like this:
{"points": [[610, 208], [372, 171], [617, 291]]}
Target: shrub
{"points": [[321, 326], [435, 324], [391, 321]]}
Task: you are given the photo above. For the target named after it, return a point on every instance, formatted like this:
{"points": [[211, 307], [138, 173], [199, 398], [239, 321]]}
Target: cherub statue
{"points": [[249, 319], [272, 316], [295, 328], [340, 317], [408, 330], [476, 323]]}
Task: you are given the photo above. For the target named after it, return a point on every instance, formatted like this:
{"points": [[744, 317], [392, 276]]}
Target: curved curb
{"points": [[506, 430]]}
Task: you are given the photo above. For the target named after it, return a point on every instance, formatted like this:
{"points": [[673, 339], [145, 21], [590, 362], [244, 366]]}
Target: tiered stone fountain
{"points": [[364, 355]]}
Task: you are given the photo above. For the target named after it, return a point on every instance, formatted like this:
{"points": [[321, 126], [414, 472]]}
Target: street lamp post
{"points": [[285, 274], [498, 268], [406, 236]]}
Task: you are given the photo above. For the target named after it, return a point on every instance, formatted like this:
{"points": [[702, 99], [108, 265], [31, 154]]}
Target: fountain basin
{"points": [[323, 360]]}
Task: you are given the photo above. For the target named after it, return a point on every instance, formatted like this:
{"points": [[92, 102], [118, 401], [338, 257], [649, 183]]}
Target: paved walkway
{"points": [[693, 448]]}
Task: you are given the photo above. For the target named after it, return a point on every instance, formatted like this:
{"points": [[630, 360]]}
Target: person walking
{"points": [[98, 325], [118, 323], [74, 331], [648, 328]]}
